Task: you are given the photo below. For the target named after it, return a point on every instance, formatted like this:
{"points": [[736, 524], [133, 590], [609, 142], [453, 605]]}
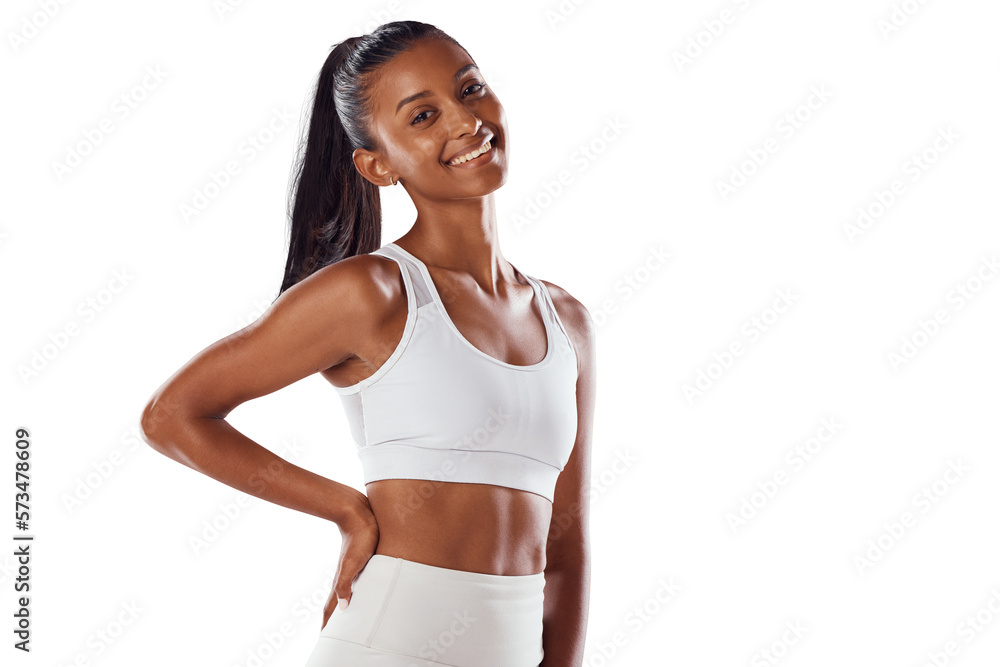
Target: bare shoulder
{"points": [[575, 317], [571, 311], [362, 285]]}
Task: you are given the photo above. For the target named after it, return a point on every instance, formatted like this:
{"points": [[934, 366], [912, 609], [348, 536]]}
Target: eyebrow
{"points": [[426, 93]]}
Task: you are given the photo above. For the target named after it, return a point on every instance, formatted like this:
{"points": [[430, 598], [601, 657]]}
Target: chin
{"points": [[496, 182]]}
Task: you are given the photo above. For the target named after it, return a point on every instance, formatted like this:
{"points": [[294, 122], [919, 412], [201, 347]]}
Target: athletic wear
{"points": [[408, 614], [441, 409]]}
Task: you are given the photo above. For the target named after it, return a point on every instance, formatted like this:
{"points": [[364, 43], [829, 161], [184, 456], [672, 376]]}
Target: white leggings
{"points": [[408, 614]]}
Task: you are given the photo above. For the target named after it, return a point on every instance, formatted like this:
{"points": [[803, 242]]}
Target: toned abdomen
{"points": [[472, 527]]}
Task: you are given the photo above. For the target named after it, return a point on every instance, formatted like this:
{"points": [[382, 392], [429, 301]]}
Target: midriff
{"points": [[472, 527]]}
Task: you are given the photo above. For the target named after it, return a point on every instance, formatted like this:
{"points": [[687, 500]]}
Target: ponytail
{"points": [[334, 211]]}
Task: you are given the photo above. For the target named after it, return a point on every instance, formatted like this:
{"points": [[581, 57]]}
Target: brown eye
{"points": [[481, 86]]}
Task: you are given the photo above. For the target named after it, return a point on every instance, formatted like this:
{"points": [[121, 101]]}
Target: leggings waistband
{"points": [[514, 582], [452, 617]]}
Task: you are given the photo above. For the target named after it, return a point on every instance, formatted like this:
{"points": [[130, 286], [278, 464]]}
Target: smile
{"points": [[485, 148]]}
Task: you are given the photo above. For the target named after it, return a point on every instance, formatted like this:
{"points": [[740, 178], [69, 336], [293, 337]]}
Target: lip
{"points": [[471, 147]]}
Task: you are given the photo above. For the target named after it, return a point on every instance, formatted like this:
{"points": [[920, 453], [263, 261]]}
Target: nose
{"points": [[463, 121]]}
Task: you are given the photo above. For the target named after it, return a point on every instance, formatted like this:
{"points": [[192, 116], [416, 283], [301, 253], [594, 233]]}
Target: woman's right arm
{"points": [[312, 326]]}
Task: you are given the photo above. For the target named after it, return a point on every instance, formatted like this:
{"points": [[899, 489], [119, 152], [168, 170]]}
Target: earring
{"points": [[395, 181]]}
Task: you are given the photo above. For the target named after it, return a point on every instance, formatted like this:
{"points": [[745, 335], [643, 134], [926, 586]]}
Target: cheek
{"points": [[417, 155], [497, 112]]}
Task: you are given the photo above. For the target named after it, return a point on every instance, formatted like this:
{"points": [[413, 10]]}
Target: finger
{"points": [[349, 570], [327, 613], [328, 608], [343, 591]]}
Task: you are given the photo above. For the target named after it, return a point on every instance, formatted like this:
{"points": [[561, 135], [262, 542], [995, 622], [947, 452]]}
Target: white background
{"points": [[114, 520]]}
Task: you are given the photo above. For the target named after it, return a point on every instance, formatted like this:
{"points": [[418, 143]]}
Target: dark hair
{"points": [[334, 211]]}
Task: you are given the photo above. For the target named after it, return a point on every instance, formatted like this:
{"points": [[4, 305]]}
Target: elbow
{"points": [[569, 554], [158, 421]]}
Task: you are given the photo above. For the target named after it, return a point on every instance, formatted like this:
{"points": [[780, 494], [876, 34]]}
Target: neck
{"points": [[460, 236]]}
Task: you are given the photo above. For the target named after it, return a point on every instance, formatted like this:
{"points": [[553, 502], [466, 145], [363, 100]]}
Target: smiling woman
{"points": [[468, 384]]}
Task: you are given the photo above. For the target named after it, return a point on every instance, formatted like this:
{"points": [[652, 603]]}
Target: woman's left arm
{"points": [[567, 568]]}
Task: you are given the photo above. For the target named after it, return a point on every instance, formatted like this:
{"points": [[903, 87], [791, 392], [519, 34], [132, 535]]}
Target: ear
{"points": [[369, 164]]}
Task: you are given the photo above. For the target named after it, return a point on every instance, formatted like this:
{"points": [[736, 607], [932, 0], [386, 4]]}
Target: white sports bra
{"points": [[441, 409]]}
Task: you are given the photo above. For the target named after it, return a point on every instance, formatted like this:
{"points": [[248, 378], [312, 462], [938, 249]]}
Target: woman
{"points": [[468, 385]]}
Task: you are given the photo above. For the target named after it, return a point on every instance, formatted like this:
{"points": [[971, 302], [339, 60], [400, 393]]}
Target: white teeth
{"points": [[471, 156]]}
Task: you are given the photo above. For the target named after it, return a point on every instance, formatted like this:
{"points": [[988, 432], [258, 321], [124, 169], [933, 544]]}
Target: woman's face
{"points": [[431, 104]]}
